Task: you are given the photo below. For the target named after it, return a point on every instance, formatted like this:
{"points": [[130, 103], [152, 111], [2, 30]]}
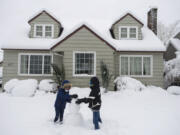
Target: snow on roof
{"points": [[176, 43], [19, 35], [150, 41]]}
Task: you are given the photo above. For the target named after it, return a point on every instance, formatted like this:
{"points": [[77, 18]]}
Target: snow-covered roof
{"points": [[150, 41], [19, 34], [176, 43]]}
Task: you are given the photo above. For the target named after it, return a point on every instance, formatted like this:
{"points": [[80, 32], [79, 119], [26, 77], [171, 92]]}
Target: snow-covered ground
{"points": [[152, 111]]}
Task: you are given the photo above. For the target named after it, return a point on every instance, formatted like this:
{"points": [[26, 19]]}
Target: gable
{"points": [[128, 17], [85, 35], [43, 16], [127, 20]]}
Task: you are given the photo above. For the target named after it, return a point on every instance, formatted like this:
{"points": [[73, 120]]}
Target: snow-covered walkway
{"points": [[152, 111]]}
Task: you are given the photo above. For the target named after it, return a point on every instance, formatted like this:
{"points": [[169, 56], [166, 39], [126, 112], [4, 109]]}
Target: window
{"points": [[84, 64], [35, 64], [136, 65], [43, 30], [127, 32]]}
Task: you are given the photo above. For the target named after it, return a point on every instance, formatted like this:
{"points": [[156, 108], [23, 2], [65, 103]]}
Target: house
{"points": [[173, 47], [128, 47]]}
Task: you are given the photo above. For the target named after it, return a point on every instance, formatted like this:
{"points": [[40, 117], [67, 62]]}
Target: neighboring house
{"points": [[128, 48], [173, 47]]}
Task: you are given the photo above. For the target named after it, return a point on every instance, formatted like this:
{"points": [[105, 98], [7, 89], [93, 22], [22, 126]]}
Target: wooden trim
{"points": [[41, 14], [26, 49], [144, 51], [124, 17], [83, 26]]}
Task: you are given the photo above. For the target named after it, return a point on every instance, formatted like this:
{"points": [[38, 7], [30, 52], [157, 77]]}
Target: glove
{"points": [[78, 101], [74, 96]]}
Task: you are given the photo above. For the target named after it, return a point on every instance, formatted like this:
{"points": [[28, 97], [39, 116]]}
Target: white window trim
{"points": [[29, 54], [128, 32], [84, 75], [151, 60], [43, 30]]}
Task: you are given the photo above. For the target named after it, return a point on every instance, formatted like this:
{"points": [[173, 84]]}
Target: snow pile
{"points": [[25, 88], [152, 111], [21, 87], [123, 83], [174, 90], [74, 118], [8, 86], [47, 85], [172, 71]]}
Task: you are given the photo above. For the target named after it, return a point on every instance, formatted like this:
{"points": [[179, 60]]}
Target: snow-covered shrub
{"points": [[174, 90], [172, 71], [47, 85], [25, 88], [8, 86], [123, 83]]}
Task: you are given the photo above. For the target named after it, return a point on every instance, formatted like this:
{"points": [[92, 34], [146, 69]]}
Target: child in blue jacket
{"points": [[62, 98]]}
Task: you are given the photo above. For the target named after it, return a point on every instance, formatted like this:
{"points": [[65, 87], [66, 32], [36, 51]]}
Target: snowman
{"points": [[74, 117]]}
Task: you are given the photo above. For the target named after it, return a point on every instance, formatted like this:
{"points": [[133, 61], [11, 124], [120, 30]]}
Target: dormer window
{"points": [[44, 30], [128, 32]]}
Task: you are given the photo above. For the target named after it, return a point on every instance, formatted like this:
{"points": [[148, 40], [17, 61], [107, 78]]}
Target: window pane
{"points": [[124, 65], [47, 64], [123, 32], [146, 66], [135, 65], [24, 64], [84, 63], [132, 33], [35, 64], [48, 31], [39, 31]]}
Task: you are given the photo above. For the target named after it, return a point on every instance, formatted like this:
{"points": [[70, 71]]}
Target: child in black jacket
{"points": [[94, 101]]}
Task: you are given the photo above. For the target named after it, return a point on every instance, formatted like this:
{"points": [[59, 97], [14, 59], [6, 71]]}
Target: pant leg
{"points": [[61, 114], [99, 117], [95, 119], [57, 114]]}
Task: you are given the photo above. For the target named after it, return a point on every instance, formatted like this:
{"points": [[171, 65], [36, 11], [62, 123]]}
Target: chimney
{"points": [[152, 20]]}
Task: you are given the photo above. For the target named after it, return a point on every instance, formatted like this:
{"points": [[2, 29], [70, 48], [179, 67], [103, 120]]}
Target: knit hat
{"points": [[94, 81], [66, 83]]}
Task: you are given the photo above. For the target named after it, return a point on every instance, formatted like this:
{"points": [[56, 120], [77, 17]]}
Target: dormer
{"points": [[127, 27], [44, 25]]}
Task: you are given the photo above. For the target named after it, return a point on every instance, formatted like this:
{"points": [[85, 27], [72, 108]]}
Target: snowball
{"points": [[10, 85], [74, 118], [174, 90], [25, 88], [47, 85], [123, 83]]}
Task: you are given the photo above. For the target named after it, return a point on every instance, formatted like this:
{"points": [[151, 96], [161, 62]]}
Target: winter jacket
{"points": [[62, 98], [94, 98]]}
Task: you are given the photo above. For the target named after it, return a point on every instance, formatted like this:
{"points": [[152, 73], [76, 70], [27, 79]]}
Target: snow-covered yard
{"points": [[151, 111]]}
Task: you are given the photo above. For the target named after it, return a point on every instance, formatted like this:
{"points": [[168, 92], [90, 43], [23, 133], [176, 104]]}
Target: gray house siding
{"points": [[170, 53], [45, 19], [127, 21], [83, 40], [157, 78], [10, 65]]}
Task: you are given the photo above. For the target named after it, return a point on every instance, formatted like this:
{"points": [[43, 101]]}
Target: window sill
{"points": [[138, 76], [35, 74], [83, 75]]}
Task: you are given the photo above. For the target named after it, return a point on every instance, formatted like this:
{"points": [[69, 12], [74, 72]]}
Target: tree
{"points": [[106, 77], [165, 33], [59, 72]]}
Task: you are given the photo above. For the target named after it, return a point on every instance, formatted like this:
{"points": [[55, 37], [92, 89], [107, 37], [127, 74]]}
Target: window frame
{"points": [[29, 54], [128, 32], [83, 75], [44, 31], [142, 60]]}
